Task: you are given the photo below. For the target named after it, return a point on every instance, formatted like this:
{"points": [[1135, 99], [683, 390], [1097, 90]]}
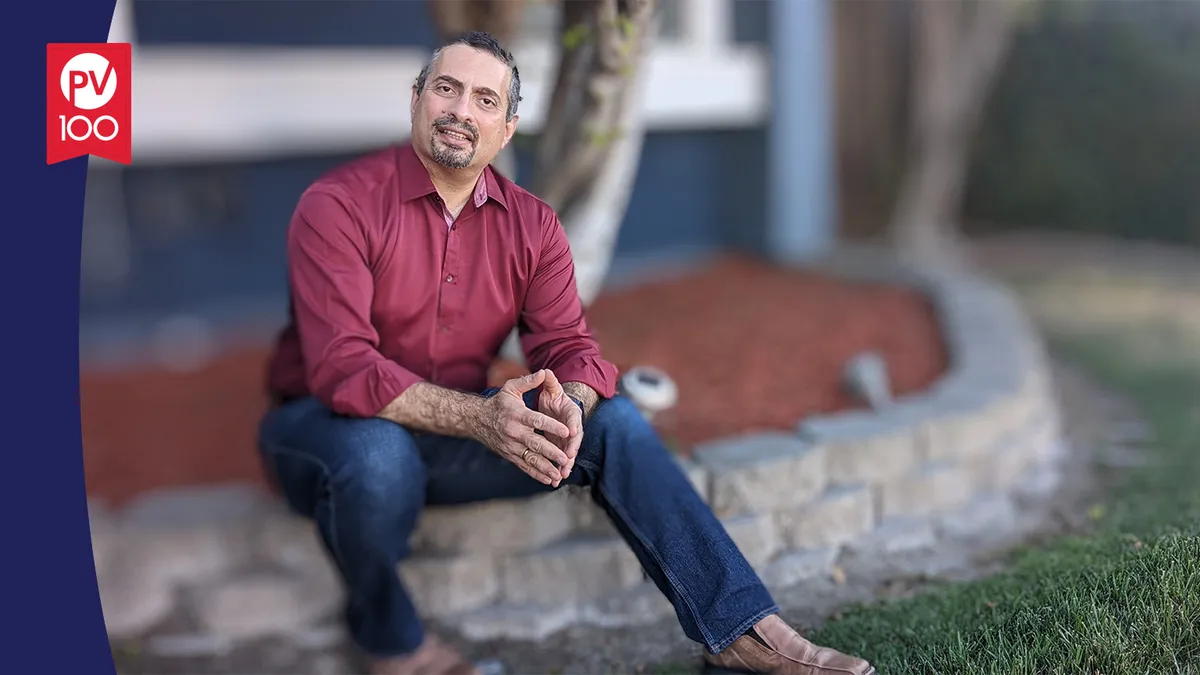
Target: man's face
{"points": [[459, 119]]}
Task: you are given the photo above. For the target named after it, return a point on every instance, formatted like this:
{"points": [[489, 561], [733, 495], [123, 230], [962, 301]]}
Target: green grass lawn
{"points": [[1124, 599]]}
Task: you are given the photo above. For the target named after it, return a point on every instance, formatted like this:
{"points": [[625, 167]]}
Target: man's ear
{"points": [[412, 106], [510, 128]]}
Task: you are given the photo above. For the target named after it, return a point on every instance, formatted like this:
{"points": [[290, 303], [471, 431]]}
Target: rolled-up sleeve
{"points": [[554, 331], [332, 287]]}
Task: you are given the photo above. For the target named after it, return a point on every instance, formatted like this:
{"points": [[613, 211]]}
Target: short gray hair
{"points": [[484, 42]]}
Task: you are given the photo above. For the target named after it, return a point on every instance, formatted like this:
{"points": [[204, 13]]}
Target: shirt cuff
{"points": [[595, 372], [366, 393]]}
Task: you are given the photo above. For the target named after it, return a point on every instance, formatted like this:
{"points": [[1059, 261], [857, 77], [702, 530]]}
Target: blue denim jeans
{"points": [[365, 482]]}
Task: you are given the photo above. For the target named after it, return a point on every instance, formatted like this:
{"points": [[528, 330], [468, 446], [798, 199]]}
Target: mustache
{"points": [[454, 125]]}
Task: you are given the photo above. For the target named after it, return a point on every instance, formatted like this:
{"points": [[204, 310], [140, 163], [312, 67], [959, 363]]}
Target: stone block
{"points": [[1044, 436], [964, 428], [189, 645], [863, 447], [1013, 459], [444, 586], [293, 543], [106, 540], [930, 488], [840, 514], [260, 605], [496, 526], [761, 472], [574, 570], [132, 604], [986, 517], [183, 554], [973, 302], [1039, 484], [894, 536], [991, 362], [516, 622], [643, 604], [321, 636], [797, 567], [587, 518], [696, 474], [181, 507], [755, 536]]}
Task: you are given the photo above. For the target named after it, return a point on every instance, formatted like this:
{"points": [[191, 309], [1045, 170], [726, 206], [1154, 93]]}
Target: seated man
{"points": [[408, 268]]}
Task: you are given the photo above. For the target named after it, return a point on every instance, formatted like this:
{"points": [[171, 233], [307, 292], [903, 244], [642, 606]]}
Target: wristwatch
{"points": [[582, 412]]}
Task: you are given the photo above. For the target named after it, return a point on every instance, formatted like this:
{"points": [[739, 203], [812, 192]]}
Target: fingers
{"points": [[571, 448], [569, 443], [523, 385], [546, 449], [539, 468], [546, 461], [537, 457], [543, 422], [551, 384]]}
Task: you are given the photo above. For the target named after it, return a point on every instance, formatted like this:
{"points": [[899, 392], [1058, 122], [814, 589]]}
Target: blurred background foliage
{"points": [[1094, 125]]}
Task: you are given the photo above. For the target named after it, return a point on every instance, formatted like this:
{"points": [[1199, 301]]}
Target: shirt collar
{"points": [[415, 181]]}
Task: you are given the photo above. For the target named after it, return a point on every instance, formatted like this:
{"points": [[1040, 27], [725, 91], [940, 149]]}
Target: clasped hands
{"points": [[511, 429]]}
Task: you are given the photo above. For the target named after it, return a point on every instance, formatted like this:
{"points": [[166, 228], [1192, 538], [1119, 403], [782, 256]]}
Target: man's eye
{"points": [[489, 102]]}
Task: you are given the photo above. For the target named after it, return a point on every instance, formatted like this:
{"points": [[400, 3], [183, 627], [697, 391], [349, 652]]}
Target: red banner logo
{"points": [[89, 101]]}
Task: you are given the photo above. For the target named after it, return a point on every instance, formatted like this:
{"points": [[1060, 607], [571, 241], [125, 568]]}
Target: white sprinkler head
{"points": [[650, 389]]}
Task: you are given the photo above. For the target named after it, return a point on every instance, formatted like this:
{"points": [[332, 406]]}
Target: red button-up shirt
{"points": [[388, 290]]}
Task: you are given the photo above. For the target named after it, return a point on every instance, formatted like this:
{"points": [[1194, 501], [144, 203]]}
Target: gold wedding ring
{"points": [[525, 455]]}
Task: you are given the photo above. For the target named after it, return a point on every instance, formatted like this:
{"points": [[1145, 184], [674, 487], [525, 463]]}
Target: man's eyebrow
{"points": [[449, 80], [486, 91]]}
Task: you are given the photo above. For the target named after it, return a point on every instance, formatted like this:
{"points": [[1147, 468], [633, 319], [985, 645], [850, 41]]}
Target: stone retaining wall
{"points": [[946, 463]]}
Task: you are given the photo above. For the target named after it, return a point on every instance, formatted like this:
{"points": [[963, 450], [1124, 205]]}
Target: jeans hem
{"points": [[741, 629]]}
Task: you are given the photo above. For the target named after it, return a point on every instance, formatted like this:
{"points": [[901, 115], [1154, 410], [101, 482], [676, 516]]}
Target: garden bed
{"points": [[754, 347]]}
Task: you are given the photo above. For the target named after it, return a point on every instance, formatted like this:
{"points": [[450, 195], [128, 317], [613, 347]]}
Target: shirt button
{"points": [[449, 278], [445, 329]]}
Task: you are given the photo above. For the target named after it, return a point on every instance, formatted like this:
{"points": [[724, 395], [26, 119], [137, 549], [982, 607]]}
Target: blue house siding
{"points": [[301, 23], [208, 239], [327, 23]]}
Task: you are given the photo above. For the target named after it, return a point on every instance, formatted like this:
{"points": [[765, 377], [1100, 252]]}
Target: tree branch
{"points": [[567, 99], [580, 134]]}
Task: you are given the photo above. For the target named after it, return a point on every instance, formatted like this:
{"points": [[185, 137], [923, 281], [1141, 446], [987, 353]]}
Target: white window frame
{"points": [[222, 103]]}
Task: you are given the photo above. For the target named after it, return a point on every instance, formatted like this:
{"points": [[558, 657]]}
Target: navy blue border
{"points": [[47, 576]]}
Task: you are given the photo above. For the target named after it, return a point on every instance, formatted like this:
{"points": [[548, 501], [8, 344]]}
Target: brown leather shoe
{"points": [[776, 649]]}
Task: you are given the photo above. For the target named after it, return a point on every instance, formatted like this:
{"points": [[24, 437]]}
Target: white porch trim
{"points": [[221, 103]]}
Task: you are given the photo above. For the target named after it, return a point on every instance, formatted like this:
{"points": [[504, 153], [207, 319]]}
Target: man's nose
{"points": [[460, 109]]}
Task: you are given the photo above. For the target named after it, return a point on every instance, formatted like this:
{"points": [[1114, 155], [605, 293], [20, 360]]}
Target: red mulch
{"points": [[147, 428], [753, 348]]}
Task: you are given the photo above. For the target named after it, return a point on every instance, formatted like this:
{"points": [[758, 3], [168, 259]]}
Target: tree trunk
{"points": [[958, 53], [589, 148], [501, 18], [589, 151]]}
